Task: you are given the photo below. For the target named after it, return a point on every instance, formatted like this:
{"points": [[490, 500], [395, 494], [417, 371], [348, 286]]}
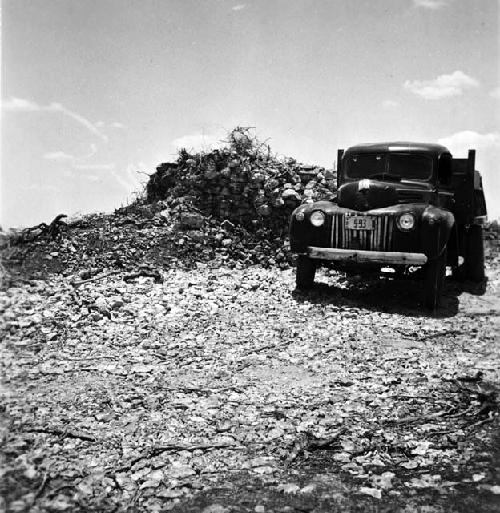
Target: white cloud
{"points": [[93, 151], [431, 4], [76, 163], [444, 86], [199, 141], [91, 127], [495, 93], [127, 179], [239, 7], [96, 167], [115, 124], [14, 104], [59, 156], [390, 104], [93, 178], [460, 142], [79, 162], [487, 157]]}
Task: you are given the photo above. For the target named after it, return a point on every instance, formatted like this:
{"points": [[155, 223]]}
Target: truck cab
{"points": [[399, 204]]}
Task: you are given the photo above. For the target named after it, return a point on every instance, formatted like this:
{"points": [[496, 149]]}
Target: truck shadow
{"points": [[389, 295]]}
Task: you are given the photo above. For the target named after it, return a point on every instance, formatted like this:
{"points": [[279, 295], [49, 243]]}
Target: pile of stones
{"points": [[231, 205], [241, 182]]}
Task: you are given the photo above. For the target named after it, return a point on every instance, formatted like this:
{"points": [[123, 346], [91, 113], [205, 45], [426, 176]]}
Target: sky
{"points": [[96, 93]]}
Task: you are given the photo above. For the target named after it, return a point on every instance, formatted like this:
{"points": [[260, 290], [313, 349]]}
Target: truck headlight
{"points": [[406, 222], [317, 218], [299, 216]]}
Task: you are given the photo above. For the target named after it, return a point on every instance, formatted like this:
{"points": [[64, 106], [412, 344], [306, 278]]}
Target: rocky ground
{"points": [[145, 374]]}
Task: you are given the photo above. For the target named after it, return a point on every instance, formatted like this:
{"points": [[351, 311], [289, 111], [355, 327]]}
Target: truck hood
{"points": [[366, 194]]}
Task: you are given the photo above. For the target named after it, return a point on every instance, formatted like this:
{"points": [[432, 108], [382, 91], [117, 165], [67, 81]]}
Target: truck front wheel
{"points": [[306, 269], [435, 272], [474, 253]]}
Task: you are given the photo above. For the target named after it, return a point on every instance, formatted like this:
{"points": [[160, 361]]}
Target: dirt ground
{"points": [[222, 389]]}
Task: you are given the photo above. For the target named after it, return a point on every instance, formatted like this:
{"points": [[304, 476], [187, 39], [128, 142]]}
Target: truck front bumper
{"points": [[363, 256]]}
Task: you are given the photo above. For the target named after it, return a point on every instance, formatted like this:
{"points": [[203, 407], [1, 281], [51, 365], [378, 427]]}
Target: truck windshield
{"points": [[365, 165], [390, 166], [416, 167]]}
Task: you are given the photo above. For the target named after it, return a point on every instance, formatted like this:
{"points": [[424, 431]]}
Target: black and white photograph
{"points": [[250, 256]]}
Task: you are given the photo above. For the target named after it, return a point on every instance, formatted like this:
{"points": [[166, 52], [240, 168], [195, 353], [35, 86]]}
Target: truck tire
{"points": [[306, 269], [474, 253], [435, 272]]}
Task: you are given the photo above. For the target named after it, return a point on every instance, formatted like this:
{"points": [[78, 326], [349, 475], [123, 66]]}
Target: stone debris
{"points": [[241, 182]]}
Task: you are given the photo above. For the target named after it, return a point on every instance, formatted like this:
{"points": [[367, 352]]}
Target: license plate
{"points": [[360, 223]]}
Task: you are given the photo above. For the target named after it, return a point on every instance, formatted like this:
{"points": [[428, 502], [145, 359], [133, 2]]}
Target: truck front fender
{"points": [[436, 226], [303, 233]]}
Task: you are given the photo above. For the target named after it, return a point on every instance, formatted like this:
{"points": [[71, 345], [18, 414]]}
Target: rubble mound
{"points": [[228, 206], [140, 239], [241, 182]]}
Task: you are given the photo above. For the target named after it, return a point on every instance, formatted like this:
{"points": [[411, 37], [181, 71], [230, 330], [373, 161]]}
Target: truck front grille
{"points": [[378, 239]]}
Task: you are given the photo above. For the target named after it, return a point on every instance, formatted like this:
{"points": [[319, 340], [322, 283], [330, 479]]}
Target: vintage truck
{"points": [[408, 206]]}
